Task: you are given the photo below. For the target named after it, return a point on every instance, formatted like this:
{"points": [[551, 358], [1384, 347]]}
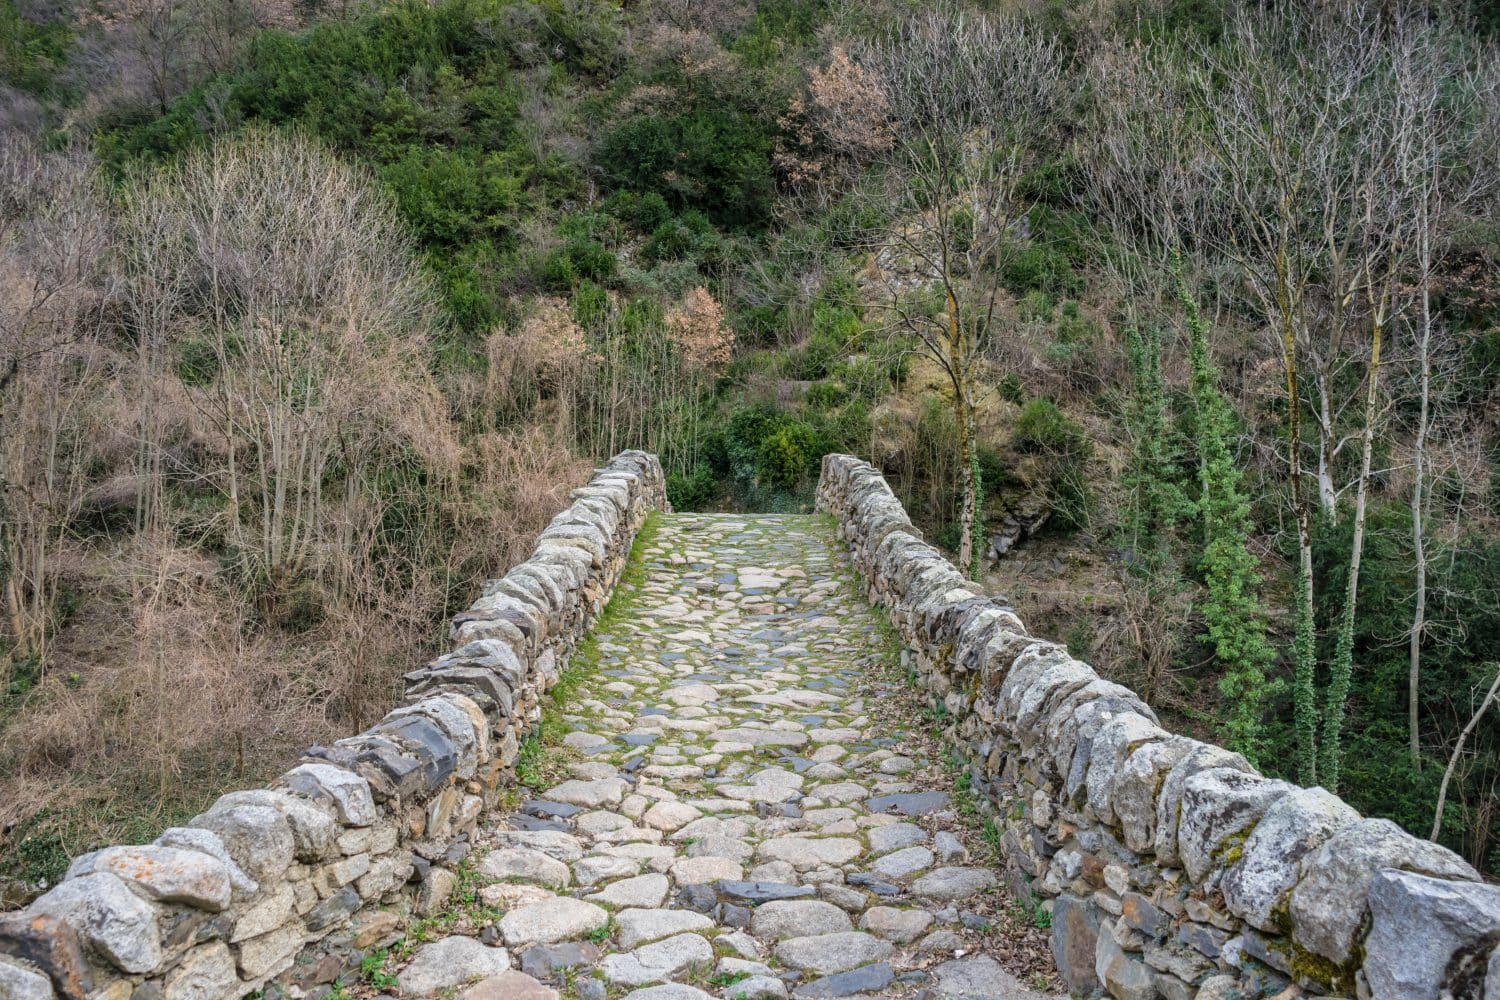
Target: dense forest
{"points": [[1176, 321]]}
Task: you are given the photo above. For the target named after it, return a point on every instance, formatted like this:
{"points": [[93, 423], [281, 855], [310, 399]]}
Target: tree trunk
{"points": [[964, 414], [1304, 647], [1343, 655], [1419, 548], [1458, 749]]}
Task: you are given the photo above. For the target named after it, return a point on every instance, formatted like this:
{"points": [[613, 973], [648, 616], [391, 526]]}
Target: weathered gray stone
{"points": [[1201, 757], [451, 962], [595, 794], [867, 979], [258, 838], [1429, 938], [17, 983], [1255, 887], [510, 985], [807, 852], [1121, 976], [207, 842], [659, 961], [348, 793], [644, 891], [948, 884], [1220, 806], [205, 973], [1328, 905], [903, 863], [1134, 789], [670, 991], [314, 831], [791, 918], [551, 920], [120, 925], [950, 850], [758, 987], [1115, 741], [979, 976], [826, 954], [900, 926], [637, 926], [897, 836], [168, 874]]}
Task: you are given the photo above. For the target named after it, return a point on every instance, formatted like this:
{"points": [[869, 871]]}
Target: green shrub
{"points": [[1040, 268], [580, 260], [716, 160], [789, 455], [823, 396], [1042, 428], [694, 490], [643, 211], [31, 54]]}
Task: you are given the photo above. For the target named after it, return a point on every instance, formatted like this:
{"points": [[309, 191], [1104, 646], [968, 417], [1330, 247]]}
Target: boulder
{"points": [[1219, 806], [1328, 906], [1256, 885], [1429, 937], [120, 925], [168, 874]]}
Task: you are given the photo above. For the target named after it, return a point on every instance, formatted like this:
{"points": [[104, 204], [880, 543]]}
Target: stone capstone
{"points": [[1429, 937]]}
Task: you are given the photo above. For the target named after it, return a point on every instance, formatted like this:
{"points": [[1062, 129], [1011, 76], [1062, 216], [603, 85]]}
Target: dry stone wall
{"points": [[323, 861], [1169, 867]]}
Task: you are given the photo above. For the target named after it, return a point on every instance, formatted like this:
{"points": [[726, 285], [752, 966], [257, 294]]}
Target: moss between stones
{"points": [[1334, 977]]}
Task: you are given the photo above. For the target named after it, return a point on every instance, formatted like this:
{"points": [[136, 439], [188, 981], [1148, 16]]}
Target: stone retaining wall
{"points": [[359, 831], [1169, 867]]}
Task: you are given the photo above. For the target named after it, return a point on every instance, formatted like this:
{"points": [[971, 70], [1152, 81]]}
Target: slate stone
{"points": [[1075, 938], [867, 979], [908, 803], [755, 893], [333, 910], [545, 960], [878, 886]]}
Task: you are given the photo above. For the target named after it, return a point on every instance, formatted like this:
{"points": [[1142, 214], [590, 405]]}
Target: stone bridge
{"points": [[727, 811]]}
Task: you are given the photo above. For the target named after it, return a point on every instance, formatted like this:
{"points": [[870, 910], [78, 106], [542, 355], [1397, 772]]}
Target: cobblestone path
{"points": [[735, 824]]}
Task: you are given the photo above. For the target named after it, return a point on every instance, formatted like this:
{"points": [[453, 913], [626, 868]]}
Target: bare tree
{"points": [[55, 234], [969, 95], [296, 270]]}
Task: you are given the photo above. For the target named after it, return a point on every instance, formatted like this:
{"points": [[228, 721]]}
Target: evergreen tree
{"points": [[1233, 612]]}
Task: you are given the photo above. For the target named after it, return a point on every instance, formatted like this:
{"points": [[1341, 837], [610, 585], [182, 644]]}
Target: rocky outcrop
{"points": [[1170, 868], [223, 905]]}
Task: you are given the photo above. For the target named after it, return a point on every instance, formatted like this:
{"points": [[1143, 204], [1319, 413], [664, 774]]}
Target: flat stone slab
{"points": [[589, 794], [558, 919], [762, 892], [866, 979], [656, 962], [451, 962], [908, 803], [980, 976], [826, 954], [809, 852], [636, 927], [951, 884]]}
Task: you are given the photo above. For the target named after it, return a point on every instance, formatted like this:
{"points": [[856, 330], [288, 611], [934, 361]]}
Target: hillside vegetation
{"points": [[1175, 320]]}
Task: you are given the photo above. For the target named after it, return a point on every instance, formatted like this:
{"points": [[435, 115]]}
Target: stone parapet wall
{"points": [[358, 831], [1168, 867]]}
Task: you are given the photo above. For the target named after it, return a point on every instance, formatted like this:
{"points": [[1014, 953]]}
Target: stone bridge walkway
{"points": [[736, 823]]}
